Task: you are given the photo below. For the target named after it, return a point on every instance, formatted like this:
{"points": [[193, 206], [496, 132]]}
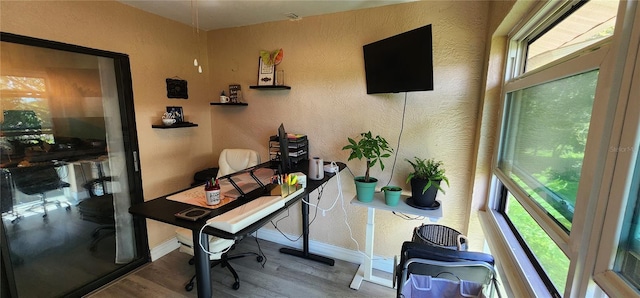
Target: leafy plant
{"points": [[430, 170], [371, 148]]}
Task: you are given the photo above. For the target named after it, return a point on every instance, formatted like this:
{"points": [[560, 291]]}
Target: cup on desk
{"points": [[316, 168], [224, 99], [213, 197]]}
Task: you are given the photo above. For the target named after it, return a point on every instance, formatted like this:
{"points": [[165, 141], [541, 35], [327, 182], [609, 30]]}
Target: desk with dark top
{"points": [[163, 210]]}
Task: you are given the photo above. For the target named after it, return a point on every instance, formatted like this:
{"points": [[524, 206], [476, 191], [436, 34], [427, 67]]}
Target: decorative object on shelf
{"points": [[425, 181], [167, 119], [235, 94], [223, 97], [267, 66], [273, 57], [176, 113], [177, 88], [373, 150], [392, 194], [280, 77], [266, 73]]}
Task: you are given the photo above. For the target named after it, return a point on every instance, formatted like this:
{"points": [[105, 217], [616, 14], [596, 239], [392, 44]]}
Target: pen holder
{"points": [[284, 190]]}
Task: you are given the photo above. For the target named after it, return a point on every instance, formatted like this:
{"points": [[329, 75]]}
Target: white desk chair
{"points": [[218, 245], [231, 160]]}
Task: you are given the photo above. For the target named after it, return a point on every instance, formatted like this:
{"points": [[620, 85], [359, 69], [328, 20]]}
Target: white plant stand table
{"points": [[365, 270]]}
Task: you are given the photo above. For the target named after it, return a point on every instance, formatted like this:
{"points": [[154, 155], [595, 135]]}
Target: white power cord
{"points": [[206, 250], [324, 211], [344, 210]]}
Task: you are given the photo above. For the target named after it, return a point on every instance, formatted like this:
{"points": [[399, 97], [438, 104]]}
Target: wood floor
{"points": [[282, 276], [51, 257]]}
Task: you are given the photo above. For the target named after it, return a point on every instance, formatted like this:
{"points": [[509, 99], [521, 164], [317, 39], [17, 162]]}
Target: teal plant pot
{"points": [[365, 190], [392, 195]]}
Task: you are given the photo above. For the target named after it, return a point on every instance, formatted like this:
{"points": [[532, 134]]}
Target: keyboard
{"points": [[241, 217]]}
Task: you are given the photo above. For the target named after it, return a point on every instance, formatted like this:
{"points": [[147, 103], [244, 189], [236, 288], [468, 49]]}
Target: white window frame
{"points": [[590, 228], [622, 164]]}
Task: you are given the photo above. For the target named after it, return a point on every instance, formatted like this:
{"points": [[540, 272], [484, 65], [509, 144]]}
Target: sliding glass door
{"points": [[68, 168]]}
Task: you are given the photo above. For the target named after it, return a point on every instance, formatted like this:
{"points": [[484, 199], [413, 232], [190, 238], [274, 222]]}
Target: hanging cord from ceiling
{"points": [[195, 25]]}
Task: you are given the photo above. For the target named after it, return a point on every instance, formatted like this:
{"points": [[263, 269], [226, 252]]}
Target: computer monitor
{"points": [[285, 162]]}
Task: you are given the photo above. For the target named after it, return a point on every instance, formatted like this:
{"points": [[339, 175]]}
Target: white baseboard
{"points": [[327, 250], [164, 248], [320, 248]]}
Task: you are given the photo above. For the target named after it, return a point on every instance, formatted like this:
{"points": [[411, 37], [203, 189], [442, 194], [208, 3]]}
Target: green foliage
{"points": [[555, 116], [548, 254], [372, 149], [551, 121], [22, 120], [554, 209], [430, 170]]}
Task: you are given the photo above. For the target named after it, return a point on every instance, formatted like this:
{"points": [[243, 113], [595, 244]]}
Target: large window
{"points": [[558, 75], [582, 25], [26, 114], [545, 136]]}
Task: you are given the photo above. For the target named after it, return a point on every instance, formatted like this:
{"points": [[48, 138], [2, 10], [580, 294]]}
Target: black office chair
{"points": [[421, 260], [38, 180], [7, 206], [98, 208]]}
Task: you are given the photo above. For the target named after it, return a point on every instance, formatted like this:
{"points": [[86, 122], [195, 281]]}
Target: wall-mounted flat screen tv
{"points": [[400, 63]]}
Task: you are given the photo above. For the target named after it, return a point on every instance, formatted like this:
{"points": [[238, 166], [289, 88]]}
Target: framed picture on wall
{"points": [[266, 73], [176, 113], [177, 88]]}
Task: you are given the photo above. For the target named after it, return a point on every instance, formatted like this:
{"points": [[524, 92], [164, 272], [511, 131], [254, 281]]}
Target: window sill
{"points": [[518, 274], [614, 286]]}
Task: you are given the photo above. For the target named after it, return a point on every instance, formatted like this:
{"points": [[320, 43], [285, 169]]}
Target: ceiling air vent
{"points": [[293, 17]]}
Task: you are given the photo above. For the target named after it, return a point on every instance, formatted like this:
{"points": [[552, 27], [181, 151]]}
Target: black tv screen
{"points": [[400, 63]]}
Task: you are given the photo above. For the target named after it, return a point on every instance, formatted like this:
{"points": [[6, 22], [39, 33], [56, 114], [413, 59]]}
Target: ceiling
{"points": [[216, 14]]}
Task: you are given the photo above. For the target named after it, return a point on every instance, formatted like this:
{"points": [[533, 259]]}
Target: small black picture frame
{"points": [[176, 113], [177, 88]]}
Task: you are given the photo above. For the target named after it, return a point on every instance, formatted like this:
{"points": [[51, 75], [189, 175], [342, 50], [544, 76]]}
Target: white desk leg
{"points": [[368, 263], [364, 271]]}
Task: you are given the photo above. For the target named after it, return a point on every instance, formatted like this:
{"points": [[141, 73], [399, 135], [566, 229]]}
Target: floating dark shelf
{"points": [[176, 125], [229, 104], [271, 87]]}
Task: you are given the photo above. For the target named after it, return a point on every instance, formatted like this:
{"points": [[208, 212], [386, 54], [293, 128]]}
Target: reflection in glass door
{"points": [[68, 174]]}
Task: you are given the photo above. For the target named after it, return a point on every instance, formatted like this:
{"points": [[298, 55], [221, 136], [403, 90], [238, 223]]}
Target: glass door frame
{"points": [[130, 140]]}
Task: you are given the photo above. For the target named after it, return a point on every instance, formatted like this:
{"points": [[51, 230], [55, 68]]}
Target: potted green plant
{"points": [[373, 150], [425, 181], [392, 194]]}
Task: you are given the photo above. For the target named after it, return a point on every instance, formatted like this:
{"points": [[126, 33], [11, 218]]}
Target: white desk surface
{"points": [[403, 207]]}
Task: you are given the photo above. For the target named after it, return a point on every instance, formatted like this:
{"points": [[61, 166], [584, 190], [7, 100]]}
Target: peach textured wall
{"points": [[323, 64], [486, 134], [158, 49], [328, 101]]}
